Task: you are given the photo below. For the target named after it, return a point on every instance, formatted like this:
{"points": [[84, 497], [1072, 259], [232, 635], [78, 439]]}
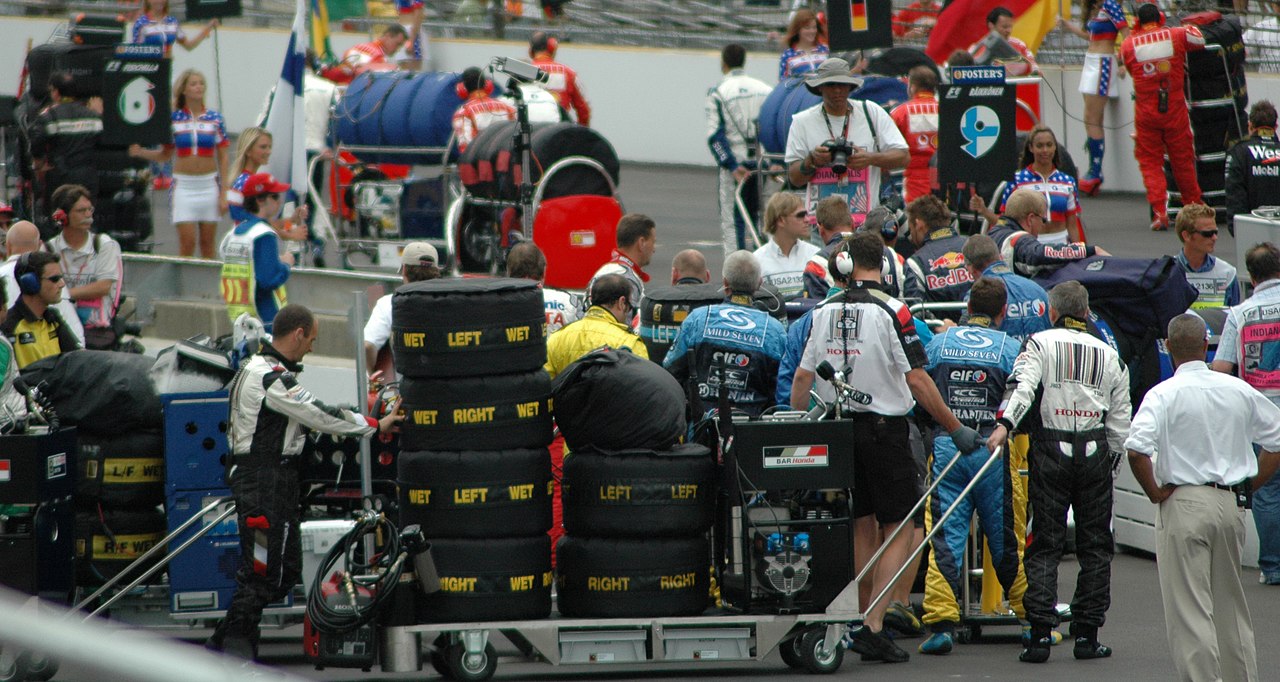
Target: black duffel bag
{"points": [[614, 400], [104, 393]]}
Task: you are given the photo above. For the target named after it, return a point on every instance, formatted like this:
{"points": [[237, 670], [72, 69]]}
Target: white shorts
{"points": [[1098, 76], [195, 198]]}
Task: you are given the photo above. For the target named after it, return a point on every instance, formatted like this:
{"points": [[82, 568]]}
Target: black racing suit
{"points": [[1253, 174], [938, 271], [269, 414], [64, 135], [1029, 256], [1070, 392]]}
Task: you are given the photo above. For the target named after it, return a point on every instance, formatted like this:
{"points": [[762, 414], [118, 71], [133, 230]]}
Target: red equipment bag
{"points": [[577, 234]]}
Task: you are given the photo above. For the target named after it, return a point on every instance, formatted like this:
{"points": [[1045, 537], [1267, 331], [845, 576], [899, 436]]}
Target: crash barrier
{"points": [[471, 352], [490, 168], [399, 109], [1218, 104], [663, 308]]}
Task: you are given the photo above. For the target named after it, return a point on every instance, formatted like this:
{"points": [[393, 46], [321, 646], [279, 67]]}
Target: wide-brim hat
{"points": [[833, 71]]}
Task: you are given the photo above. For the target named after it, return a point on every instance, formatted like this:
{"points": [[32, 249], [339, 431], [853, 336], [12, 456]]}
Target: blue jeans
{"points": [[1266, 516]]}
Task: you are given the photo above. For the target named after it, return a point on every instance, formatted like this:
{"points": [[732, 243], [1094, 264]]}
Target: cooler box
{"points": [[195, 440], [37, 467], [577, 233], [318, 537]]}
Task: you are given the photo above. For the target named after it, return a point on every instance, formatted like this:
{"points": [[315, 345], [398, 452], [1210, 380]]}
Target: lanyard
{"points": [[844, 132]]}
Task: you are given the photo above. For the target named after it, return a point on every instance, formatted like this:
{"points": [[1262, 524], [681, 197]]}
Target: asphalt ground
{"points": [[682, 202]]}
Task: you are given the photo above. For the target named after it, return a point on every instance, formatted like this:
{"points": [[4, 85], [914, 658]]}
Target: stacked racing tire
{"points": [[119, 493], [474, 470]]}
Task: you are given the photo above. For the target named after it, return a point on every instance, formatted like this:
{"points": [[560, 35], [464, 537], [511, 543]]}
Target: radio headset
{"points": [[29, 280]]}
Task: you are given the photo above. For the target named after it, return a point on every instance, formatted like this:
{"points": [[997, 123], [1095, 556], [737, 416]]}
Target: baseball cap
{"points": [[418, 253], [262, 183]]}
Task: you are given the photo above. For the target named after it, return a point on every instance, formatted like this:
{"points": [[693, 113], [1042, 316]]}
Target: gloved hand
{"points": [[966, 439]]}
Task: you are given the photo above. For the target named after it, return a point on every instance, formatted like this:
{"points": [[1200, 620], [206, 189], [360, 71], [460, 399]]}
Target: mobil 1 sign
{"points": [[135, 97], [977, 140]]}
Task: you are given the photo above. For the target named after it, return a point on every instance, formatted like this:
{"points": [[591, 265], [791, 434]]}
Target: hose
{"points": [[378, 575]]}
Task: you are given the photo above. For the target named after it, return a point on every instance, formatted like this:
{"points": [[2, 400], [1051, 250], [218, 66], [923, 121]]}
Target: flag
{"points": [[964, 22], [320, 30], [285, 115]]}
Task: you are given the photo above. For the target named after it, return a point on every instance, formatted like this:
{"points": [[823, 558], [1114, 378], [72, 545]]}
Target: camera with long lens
{"points": [[840, 150]]}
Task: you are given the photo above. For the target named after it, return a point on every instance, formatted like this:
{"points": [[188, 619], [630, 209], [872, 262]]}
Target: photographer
{"points": [[840, 147]]}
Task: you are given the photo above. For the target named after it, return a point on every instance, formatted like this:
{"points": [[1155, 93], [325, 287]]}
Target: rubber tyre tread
{"points": [[645, 562], [146, 528], [440, 310], [809, 643], [443, 473], [790, 653], [502, 402], [670, 509], [94, 455], [496, 560]]}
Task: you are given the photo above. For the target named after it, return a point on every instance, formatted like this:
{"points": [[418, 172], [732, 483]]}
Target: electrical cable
{"points": [[340, 618]]}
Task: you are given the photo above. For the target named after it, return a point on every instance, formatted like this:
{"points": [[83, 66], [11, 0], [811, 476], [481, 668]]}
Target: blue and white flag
{"points": [[285, 116]]}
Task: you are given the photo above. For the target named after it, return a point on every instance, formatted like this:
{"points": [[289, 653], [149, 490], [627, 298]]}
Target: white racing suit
{"points": [[270, 413], [733, 107], [1070, 392]]}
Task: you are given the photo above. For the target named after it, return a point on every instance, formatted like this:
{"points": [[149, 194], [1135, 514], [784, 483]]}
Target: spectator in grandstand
{"points": [[636, 239], [1214, 279], [91, 263], [1039, 172], [479, 109], [917, 120], [1262, 41], [1015, 234], [62, 139], [1253, 164], [871, 141], [806, 41], [24, 237], [1027, 309], [1202, 426], [372, 55], [1106, 21], [254, 269], [733, 108], [937, 266], [890, 369], [915, 20], [1000, 27], [783, 260], [32, 325], [526, 261], [253, 151], [972, 385], [155, 26], [1070, 391], [604, 324], [689, 267], [1250, 348], [200, 144], [731, 333], [1162, 124], [562, 80], [419, 262]]}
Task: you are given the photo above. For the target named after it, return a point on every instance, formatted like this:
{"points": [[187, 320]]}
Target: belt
{"points": [[1241, 490], [1222, 486]]}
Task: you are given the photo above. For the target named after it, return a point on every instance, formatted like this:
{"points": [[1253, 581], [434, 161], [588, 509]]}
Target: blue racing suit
{"points": [[1028, 308], [971, 365], [737, 338]]}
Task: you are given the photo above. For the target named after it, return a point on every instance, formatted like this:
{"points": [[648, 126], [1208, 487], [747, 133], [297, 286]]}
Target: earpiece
{"points": [[844, 263], [29, 280]]}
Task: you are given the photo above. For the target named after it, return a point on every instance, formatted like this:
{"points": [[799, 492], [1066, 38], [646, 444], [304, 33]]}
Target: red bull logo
{"points": [[947, 261]]}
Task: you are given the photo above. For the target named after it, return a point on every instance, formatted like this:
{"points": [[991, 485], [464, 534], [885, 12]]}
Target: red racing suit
{"points": [[479, 112], [1155, 56], [563, 83], [917, 118]]}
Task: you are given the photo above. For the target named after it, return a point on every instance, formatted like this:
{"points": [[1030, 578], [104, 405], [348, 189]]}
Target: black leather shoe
{"points": [[1090, 648]]}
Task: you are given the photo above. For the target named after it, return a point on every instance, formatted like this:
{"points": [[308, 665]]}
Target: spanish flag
{"points": [[964, 22], [320, 31]]}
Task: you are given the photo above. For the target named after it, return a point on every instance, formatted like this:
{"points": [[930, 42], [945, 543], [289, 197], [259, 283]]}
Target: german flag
{"points": [[964, 22], [858, 15]]}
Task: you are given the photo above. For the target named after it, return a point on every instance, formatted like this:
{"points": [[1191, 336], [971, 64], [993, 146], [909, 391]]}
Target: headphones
{"points": [[29, 280], [843, 261], [545, 43], [59, 218], [473, 79]]}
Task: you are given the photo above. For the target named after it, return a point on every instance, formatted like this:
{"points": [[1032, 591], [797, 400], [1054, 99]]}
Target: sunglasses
{"points": [[801, 213], [1207, 234], [54, 278]]}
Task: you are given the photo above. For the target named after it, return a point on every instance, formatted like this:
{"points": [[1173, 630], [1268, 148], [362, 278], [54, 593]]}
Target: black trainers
{"points": [[1087, 648], [875, 646], [1037, 651]]}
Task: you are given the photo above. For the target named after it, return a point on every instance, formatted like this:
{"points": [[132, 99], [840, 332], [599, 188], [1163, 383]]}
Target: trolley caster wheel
{"points": [[969, 635], [471, 668], [790, 653], [813, 658], [13, 667], [439, 664], [41, 667]]}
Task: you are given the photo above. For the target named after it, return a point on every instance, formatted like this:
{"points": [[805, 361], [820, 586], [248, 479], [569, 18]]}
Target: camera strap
{"points": [[844, 132]]}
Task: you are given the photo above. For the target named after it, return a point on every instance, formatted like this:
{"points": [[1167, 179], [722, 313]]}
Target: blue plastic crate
{"points": [[195, 440]]}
